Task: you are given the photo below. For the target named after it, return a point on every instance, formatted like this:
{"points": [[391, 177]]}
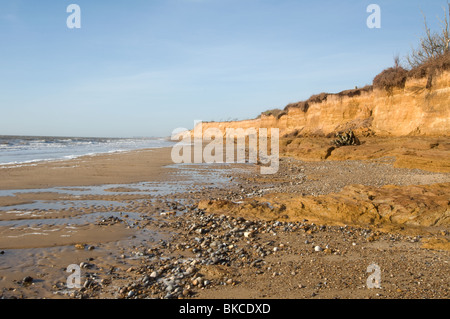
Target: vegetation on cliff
{"points": [[431, 57]]}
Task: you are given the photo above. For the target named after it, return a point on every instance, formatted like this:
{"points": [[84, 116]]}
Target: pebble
{"points": [[27, 280], [87, 283], [186, 292], [197, 281], [318, 248], [169, 288], [189, 271], [80, 246]]}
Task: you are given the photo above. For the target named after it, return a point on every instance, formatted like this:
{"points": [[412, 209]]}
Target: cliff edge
{"points": [[414, 110]]}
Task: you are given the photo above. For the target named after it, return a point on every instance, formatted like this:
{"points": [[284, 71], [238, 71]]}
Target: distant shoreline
{"points": [[114, 168], [22, 150]]}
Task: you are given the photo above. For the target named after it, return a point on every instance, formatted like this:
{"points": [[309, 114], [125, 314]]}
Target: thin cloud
{"points": [[9, 17]]}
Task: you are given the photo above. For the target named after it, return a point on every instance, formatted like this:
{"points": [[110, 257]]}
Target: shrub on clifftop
{"points": [[394, 77]]}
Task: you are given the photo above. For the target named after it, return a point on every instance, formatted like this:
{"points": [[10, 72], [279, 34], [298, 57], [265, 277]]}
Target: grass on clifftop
{"points": [[431, 57]]}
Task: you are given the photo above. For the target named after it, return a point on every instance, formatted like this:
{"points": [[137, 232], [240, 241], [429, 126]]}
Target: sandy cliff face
{"points": [[414, 110]]}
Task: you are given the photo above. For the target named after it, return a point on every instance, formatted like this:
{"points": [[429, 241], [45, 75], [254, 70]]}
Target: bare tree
{"points": [[396, 61], [432, 44], [446, 27]]}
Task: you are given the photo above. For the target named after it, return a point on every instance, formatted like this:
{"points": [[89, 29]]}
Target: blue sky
{"points": [[144, 68]]}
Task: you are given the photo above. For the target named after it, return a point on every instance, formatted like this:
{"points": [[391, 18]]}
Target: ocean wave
{"points": [[26, 150]]}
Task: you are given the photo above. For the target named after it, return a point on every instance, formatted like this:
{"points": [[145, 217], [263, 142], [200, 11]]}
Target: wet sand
{"points": [[117, 168]]}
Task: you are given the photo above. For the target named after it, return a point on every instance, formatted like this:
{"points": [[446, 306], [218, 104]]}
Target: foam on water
{"points": [[27, 149]]}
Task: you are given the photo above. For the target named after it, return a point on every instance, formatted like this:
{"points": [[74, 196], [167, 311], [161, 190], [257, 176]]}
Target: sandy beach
{"points": [[141, 227]]}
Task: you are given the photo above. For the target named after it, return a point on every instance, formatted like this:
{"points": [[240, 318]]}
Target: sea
{"points": [[30, 149]]}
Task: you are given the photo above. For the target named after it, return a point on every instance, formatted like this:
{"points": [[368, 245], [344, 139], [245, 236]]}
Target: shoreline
{"points": [[66, 158], [88, 170]]}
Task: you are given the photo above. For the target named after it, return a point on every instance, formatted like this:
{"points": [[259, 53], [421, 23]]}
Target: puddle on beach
{"points": [[187, 177], [40, 205], [77, 220]]}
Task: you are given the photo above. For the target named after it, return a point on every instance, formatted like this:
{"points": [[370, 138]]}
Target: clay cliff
{"points": [[415, 110]]}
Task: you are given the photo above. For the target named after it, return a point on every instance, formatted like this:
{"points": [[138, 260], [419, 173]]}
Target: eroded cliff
{"points": [[412, 110]]}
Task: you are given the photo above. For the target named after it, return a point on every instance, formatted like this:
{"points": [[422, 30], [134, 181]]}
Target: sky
{"points": [[147, 67]]}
